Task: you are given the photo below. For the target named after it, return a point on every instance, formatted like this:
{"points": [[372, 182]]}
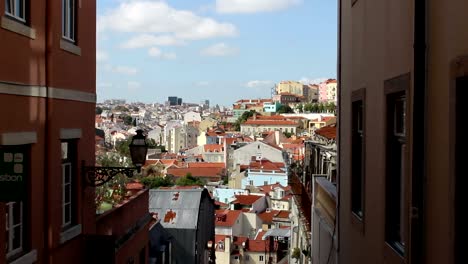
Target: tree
{"points": [[136, 109], [156, 182], [121, 108], [134, 123], [154, 170], [331, 107], [300, 108], [246, 115], [285, 109], [321, 108], [127, 120], [98, 110], [288, 134], [308, 107], [189, 180]]}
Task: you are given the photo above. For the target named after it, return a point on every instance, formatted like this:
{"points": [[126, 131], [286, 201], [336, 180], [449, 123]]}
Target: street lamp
{"points": [[97, 176]]}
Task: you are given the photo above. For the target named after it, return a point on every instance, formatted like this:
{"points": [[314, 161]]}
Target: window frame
{"points": [[358, 129], [10, 228], [397, 192], [13, 7], [69, 161], [25, 214], [69, 20]]}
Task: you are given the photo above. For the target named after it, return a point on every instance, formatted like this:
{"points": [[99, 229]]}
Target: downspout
{"points": [[46, 133], [416, 254], [338, 138]]}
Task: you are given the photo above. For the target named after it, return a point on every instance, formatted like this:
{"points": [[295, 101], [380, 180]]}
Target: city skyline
{"points": [[217, 50]]}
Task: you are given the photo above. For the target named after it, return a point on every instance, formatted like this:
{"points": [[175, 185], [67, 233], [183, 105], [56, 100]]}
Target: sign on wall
{"points": [[13, 173]]}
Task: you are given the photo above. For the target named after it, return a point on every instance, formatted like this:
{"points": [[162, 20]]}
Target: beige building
{"points": [[403, 76], [292, 87]]}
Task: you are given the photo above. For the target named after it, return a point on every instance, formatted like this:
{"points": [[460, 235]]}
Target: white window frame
{"points": [[10, 228], [67, 184], [69, 20], [15, 11]]}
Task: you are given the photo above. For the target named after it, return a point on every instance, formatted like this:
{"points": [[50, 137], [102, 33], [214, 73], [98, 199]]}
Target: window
{"points": [[265, 182], [16, 9], [68, 184], [14, 228], [69, 20], [260, 258], [358, 153], [396, 175]]}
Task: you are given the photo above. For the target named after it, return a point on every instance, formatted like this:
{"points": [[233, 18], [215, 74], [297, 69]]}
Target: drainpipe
{"points": [[416, 253], [46, 133], [338, 156]]}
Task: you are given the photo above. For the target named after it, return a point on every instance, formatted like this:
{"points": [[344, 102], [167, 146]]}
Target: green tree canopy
{"points": [[121, 108], [300, 108], [127, 120], [98, 110], [188, 180], [156, 182], [246, 115], [285, 109]]}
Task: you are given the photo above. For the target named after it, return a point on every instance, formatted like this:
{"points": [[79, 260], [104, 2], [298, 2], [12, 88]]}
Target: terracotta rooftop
{"points": [[196, 172], [267, 217], [259, 246], [206, 165], [213, 148], [246, 199], [226, 217], [270, 122], [328, 132], [268, 188]]}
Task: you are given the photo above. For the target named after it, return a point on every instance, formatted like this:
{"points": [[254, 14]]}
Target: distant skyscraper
{"points": [[205, 103], [179, 101], [172, 100]]}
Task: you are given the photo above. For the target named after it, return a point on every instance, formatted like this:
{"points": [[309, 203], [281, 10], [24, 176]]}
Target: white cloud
{"points": [[132, 86], [101, 56], [306, 80], [157, 53], [145, 16], [124, 70], [259, 84], [253, 6], [148, 40], [219, 49]]}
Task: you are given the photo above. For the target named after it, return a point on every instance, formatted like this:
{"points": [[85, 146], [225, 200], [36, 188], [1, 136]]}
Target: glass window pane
{"points": [[67, 193], [67, 213], [67, 178], [64, 150], [7, 6], [17, 213], [16, 237]]}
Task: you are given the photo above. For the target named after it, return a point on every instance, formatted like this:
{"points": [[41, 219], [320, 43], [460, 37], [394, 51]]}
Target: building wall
{"points": [[254, 129], [375, 48], [259, 178], [251, 223], [45, 99], [243, 155]]}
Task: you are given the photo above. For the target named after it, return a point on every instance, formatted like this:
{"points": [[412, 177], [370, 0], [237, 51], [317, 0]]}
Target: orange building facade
{"points": [[47, 98]]}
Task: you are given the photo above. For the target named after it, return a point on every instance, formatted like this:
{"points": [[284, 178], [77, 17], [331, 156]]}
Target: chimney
{"points": [[227, 244], [255, 116]]}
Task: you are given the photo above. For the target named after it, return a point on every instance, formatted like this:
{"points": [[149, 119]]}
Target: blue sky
{"points": [[220, 50]]}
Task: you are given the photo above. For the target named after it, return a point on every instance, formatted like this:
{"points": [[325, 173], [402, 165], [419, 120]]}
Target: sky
{"points": [[219, 50]]}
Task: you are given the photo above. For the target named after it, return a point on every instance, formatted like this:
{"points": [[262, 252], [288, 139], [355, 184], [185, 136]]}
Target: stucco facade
{"points": [[417, 49]]}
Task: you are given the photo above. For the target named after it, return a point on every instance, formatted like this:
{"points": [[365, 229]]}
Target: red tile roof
{"points": [[246, 199], [213, 148], [226, 217], [328, 132], [260, 246], [283, 214], [213, 172], [238, 240], [267, 217], [270, 123], [206, 165], [268, 188]]}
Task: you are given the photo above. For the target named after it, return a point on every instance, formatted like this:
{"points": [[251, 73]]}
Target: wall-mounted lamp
{"points": [[96, 176]]}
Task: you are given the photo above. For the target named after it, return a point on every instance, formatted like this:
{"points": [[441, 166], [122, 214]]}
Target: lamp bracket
{"points": [[97, 176]]}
